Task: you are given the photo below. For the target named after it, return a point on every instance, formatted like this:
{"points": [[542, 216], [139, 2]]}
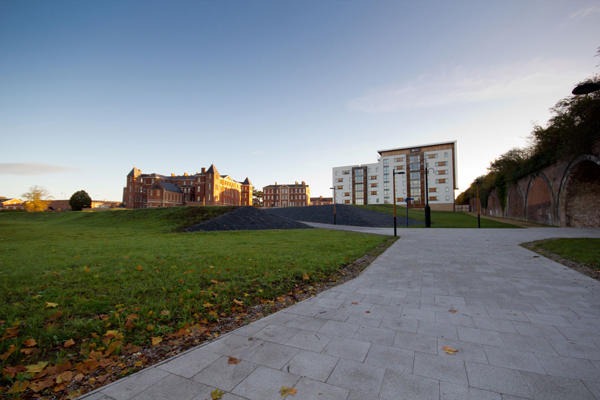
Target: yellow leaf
{"points": [[138, 364], [51, 305], [214, 282], [139, 268], [86, 269], [68, 343], [287, 391], [64, 377], [11, 349], [207, 305], [449, 350], [239, 303], [19, 386], [233, 360], [156, 340], [165, 313], [305, 276], [35, 368], [149, 327], [30, 342], [216, 394], [113, 334]]}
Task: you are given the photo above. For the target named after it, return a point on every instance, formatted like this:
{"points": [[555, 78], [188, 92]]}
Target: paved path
{"points": [[525, 327]]}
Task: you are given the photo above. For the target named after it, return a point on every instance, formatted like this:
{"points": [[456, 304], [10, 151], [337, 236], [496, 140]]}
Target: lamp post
{"points": [[427, 208], [334, 211], [478, 205], [394, 173]]}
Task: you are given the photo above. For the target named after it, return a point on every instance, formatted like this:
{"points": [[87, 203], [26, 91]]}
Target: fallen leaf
{"points": [[64, 377], [165, 313], [78, 377], [11, 349], [10, 333], [36, 368], [156, 340], [19, 387], [139, 268], [28, 351], [30, 342], [138, 364], [239, 303], [305, 276], [207, 305], [86, 269], [68, 343], [233, 360], [149, 327], [287, 391], [40, 385], [452, 310], [113, 334], [112, 347], [51, 305], [10, 372], [449, 350], [216, 394]]}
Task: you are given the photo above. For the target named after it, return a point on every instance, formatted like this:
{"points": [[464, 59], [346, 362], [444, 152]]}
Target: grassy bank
{"points": [[81, 286], [439, 219], [584, 251]]}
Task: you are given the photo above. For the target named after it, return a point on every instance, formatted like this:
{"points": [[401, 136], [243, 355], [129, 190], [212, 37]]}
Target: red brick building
{"points": [[203, 188], [296, 195], [321, 201]]}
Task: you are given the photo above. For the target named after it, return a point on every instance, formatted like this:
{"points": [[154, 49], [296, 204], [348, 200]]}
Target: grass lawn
{"points": [[86, 286], [584, 251], [439, 219]]}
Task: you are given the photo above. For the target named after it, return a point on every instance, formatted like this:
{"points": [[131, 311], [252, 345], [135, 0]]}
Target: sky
{"points": [[277, 91]]}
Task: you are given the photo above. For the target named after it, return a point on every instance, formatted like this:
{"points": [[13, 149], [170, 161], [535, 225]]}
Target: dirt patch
{"points": [[564, 261]]}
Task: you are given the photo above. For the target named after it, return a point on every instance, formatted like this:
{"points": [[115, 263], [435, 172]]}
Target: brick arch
{"points": [[579, 193], [494, 208], [515, 204], [539, 202]]}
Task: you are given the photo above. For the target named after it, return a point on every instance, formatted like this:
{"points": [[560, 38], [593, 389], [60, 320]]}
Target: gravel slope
{"points": [[346, 215], [247, 218]]}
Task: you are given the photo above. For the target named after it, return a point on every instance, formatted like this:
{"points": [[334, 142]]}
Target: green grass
{"points": [[100, 267], [584, 251], [439, 219]]}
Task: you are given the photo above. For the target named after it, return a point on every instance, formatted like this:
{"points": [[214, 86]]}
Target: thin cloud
{"points": [[469, 86], [31, 169], [585, 12]]}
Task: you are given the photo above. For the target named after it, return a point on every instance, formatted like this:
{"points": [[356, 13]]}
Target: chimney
{"points": [[303, 183], [172, 174], [295, 183], [185, 174], [203, 170]]}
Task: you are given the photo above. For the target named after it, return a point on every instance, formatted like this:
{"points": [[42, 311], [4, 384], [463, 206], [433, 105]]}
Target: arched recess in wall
{"points": [[494, 208], [579, 194], [515, 205], [539, 200]]}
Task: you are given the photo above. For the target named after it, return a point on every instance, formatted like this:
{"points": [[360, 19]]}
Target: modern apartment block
{"points": [[372, 183], [288, 195], [203, 188]]}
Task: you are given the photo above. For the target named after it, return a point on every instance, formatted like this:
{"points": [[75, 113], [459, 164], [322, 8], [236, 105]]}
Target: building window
{"points": [[432, 190], [443, 180], [400, 199], [346, 172], [340, 186], [445, 154], [441, 163], [415, 176], [374, 192], [373, 185], [415, 159], [399, 167], [373, 177], [441, 172], [432, 155], [399, 159], [347, 194]]}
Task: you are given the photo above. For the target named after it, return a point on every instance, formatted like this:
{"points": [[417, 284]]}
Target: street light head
{"points": [[586, 88]]}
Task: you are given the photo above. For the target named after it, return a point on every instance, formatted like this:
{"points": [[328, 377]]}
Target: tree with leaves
{"points": [[257, 199], [80, 200], [36, 199]]}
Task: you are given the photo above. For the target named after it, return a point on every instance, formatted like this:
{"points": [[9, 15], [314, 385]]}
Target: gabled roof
{"points": [[168, 186], [132, 172], [247, 181], [212, 169]]}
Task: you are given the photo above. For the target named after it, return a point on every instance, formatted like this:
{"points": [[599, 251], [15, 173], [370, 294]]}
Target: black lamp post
{"points": [[427, 208], [478, 205], [586, 88], [394, 173], [334, 213]]}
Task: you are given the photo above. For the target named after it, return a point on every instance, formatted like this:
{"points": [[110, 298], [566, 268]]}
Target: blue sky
{"points": [[274, 90]]}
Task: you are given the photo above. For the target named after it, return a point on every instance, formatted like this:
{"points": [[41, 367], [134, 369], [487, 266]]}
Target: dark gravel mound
{"points": [[346, 215], [247, 218]]}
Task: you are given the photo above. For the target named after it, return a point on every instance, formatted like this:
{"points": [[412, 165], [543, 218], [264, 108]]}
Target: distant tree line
{"points": [[570, 132]]}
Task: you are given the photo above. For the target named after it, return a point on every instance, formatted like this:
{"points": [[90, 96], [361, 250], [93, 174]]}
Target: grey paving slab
{"points": [[525, 327], [313, 365], [441, 368], [308, 389], [354, 375], [453, 391], [264, 384], [225, 375], [409, 387]]}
